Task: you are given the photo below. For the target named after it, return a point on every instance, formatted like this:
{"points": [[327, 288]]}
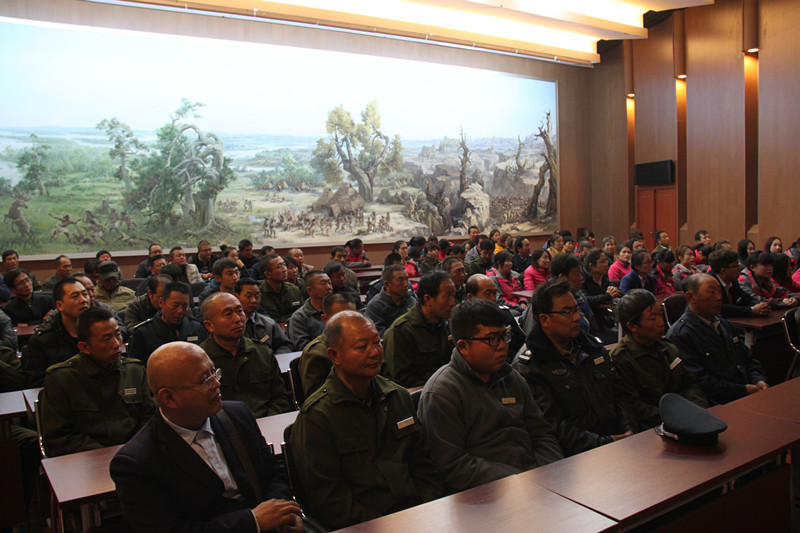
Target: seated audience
{"points": [[143, 270], [596, 288], [622, 266], [188, 272], [279, 298], [539, 271], [745, 248], [293, 275], [204, 260], [393, 301], [173, 322], [96, 398], [651, 365], [712, 348], [507, 280], [63, 267], [662, 242], [640, 276], [419, 342], [401, 247], [702, 237], [483, 262], [26, 307], [348, 478], [458, 273], [571, 375], [376, 286], [300, 259], [258, 326], [147, 305], [184, 470], [338, 276], [782, 273], [250, 372], [8, 338], [555, 245], [11, 262], [701, 253], [315, 365], [482, 286], [226, 273], [431, 261], [154, 265], [473, 435], [685, 267], [339, 253], [522, 255], [756, 281], [109, 291], [568, 268], [665, 262], [246, 254], [735, 302], [305, 324], [610, 249], [774, 245], [356, 257]]}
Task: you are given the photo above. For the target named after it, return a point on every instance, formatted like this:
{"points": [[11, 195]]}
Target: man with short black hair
{"points": [[522, 255], [339, 253], [246, 254], [725, 269], [483, 287], [458, 273], [258, 326], [147, 305], [188, 272], [226, 274], [662, 241], [299, 257], [109, 291], [337, 272], [348, 477], [393, 301], [143, 270], [250, 372], [567, 267], [154, 265], [571, 375], [480, 420], [96, 398], [279, 298], [204, 260], [63, 270], [27, 307], [651, 365], [173, 322], [712, 348], [56, 341], [483, 261], [11, 261], [306, 323], [419, 342]]}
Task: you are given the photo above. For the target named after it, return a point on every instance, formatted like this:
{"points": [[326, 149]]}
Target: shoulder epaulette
{"points": [[315, 397], [143, 322], [58, 366]]}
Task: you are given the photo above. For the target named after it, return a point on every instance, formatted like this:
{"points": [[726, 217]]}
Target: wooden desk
{"points": [[285, 358], [638, 479], [751, 326], [523, 294], [507, 505], [25, 330], [272, 429], [78, 479], [12, 405], [31, 395], [780, 401]]}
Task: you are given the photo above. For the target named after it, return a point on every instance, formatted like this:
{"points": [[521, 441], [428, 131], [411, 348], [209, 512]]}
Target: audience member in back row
{"points": [[279, 298], [622, 266], [419, 342], [154, 265], [109, 291], [306, 324], [27, 307], [522, 255], [349, 478], [63, 266], [458, 273], [479, 417], [568, 268], [250, 372], [337, 274], [507, 281], [204, 260], [640, 276], [685, 267], [143, 269], [571, 375], [258, 326], [665, 262], [735, 302], [147, 305], [226, 273], [56, 341], [596, 287], [393, 301], [11, 262], [651, 365], [96, 398], [712, 348], [539, 271], [756, 281], [188, 273]]}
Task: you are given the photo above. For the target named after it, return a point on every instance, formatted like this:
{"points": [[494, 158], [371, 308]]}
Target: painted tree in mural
{"points": [[33, 163], [463, 156], [550, 165], [362, 149], [185, 167], [126, 146]]}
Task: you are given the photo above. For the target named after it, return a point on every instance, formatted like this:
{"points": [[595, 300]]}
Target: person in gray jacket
{"points": [[480, 420], [259, 326], [393, 301]]}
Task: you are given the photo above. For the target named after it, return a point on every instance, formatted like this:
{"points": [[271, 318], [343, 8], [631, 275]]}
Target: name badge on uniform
{"points": [[509, 401], [675, 363], [193, 338], [735, 340], [264, 339], [449, 338], [296, 303], [129, 392], [405, 423], [599, 360]]}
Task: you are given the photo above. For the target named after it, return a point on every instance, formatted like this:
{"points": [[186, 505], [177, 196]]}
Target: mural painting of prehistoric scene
{"points": [[112, 139]]}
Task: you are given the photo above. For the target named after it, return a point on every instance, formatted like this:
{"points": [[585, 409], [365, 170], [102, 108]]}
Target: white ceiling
{"points": [[564, 30]]}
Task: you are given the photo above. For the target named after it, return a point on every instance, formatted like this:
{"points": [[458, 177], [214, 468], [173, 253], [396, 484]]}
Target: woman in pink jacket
{"points": [[622, 266], [539, 271]]}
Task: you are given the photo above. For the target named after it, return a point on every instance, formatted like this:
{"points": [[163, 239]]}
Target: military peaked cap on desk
{"points": [[686, 422]]}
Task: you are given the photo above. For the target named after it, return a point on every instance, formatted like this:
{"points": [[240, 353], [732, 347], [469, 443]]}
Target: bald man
{"points": [[250, 372], [359, 438], [185, 470]]}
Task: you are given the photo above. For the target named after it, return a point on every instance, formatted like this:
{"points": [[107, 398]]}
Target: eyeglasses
{"points": [[207, 383], [493, 340], [570, 311]]}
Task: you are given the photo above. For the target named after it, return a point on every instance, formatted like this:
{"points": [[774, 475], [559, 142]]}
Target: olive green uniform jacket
{"points": [[653, 371], [414, 348], [357, 460], [252, 376], [85, 407], [280, 305], [315, 365]]}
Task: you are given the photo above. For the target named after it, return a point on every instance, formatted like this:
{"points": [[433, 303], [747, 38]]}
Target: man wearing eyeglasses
{"points": [[725, 268], [200, 464], [97, 398], [482, 286], [480, 420], [571, 375]]}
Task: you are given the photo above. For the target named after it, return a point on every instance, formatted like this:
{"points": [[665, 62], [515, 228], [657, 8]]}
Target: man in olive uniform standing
{"points": [[349, 478], [96, 398], [250, 372]]}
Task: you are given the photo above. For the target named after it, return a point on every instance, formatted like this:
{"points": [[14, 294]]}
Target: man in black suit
{"points": [[735, 302], [199, 464]]}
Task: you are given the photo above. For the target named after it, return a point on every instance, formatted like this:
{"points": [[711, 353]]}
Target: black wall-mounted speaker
{"points": [[655, 173]]}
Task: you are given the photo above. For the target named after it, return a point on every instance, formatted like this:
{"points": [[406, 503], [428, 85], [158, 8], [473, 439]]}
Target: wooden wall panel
{"points": [[715, 120], [656, 108], [779, 120], [610, 183]]}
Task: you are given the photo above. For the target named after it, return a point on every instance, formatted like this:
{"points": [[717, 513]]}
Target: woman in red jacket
{"points": [[539, 271]]}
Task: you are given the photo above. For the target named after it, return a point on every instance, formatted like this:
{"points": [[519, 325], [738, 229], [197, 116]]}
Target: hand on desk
{"points": [[762, 385], [752, 389], [622, 436], [761, 309], [790, 302], [273, 514]]}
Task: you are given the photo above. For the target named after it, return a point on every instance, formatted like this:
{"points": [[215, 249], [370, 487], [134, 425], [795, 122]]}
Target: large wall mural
{"points": [[112, 139]]}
